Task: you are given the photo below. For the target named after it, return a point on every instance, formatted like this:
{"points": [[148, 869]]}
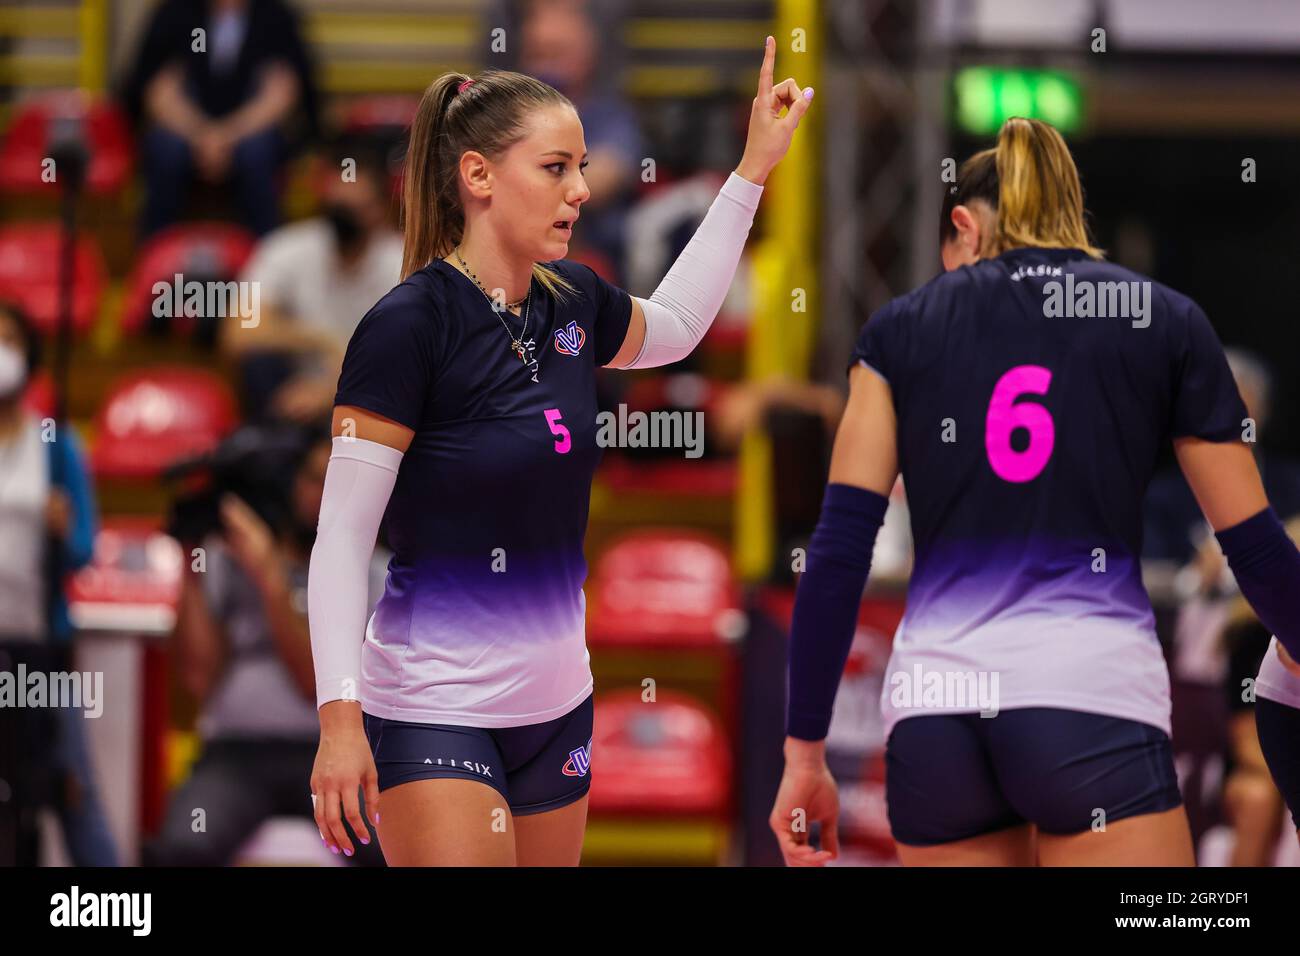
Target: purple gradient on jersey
{"points": [[966, 584], [460, 600]]}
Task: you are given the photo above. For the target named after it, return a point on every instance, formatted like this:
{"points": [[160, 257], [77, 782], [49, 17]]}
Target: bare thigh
{"points": [[1013, 846], [1150, 839], [553, 838], [445, 822]]}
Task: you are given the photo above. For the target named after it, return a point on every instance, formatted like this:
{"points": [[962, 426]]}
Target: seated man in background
{"points": [[317, 278], [243, 650], [211, 85], [560, 45]]}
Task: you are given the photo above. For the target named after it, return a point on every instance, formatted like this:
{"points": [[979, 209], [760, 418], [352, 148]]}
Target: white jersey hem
{"points": [[1079, 702], [1275, 682], [422, 715]]}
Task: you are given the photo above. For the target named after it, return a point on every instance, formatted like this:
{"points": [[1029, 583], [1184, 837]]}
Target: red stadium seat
{"points": [[374, 114], [684, 479], [212, 251], [156, 416], [386, 119], [675, 475], [41, 120], [132, 583], [665, 588], [666, 758], [29, 274]]}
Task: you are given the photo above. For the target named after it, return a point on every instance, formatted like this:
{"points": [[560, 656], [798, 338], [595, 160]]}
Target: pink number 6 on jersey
{"points": [[1005, 417], [562, 441]]}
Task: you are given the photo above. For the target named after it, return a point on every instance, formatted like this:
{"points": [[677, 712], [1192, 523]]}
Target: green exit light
{"points": [[987, 96]]}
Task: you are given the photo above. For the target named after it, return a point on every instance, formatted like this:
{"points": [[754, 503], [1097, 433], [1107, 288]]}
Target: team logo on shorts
{"points": [[570, 339], [579, 761]]}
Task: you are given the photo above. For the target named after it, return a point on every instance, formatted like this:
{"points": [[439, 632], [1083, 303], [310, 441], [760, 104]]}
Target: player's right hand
{"points": [[770, 133], [344, 765]]}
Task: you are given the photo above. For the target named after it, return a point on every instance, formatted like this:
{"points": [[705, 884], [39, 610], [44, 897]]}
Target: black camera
{"points": [[257, 463]]}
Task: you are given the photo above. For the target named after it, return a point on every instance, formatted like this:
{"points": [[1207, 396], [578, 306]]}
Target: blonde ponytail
{"points": [[1040, 200], [1031, 181]]}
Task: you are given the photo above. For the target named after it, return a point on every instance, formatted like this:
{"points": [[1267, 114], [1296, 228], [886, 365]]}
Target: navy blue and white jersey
{"points": [[482, 618], [1034, 392]]}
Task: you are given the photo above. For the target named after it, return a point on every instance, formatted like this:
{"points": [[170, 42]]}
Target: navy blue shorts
{"points": [[535, 768], [956, 776], [1279, 737]]}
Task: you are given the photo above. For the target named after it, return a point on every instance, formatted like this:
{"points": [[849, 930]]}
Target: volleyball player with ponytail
{"points": [[1026, 440], [466, 418]]}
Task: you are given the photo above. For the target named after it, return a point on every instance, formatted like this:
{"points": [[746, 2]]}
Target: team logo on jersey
{"points": [[579, 761], [570, 339]]}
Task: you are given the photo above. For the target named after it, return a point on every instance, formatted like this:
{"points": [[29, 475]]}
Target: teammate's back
{"points": [[1034, 392], [1025, 396]]}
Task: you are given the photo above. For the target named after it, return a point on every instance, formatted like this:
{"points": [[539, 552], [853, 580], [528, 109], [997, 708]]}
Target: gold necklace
{"points": [[516, 344]]}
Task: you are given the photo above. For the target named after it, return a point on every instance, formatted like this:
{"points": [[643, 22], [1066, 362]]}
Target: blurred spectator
{"points": [[558, 45], [243, 650], [212, 84], [1173, 525], [48, 523], [317, 278]]}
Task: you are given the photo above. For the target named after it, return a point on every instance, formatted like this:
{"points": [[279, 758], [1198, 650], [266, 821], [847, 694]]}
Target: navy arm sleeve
{"points": [[391, 358], [1266, 564], [826, 605]]}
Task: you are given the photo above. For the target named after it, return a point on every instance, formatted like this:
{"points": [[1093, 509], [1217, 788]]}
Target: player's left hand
{"points": [[770, 133], [807, 795]]}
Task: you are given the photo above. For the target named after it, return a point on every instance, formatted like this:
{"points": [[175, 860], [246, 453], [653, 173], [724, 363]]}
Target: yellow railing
{"points": [[93, 21], [82, 28], [785, 284]]}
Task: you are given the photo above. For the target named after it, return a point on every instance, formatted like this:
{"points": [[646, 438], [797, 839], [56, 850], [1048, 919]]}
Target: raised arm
{"points": [[667, 326]]}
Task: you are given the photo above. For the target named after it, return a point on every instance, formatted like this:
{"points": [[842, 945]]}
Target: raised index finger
{"points": [[765, 74]]}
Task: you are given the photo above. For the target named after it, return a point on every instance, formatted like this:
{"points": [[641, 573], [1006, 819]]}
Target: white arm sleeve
{"points": [[358, 482], [682, 308]]}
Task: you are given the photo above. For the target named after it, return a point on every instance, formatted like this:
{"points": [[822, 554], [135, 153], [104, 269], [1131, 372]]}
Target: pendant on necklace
{"points": [[518, 348]]}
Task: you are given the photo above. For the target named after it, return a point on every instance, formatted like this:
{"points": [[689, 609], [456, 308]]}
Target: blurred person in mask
{"points": [[48, 523], [317, 278], [243, 650], [213, 87], [559, 46]]}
